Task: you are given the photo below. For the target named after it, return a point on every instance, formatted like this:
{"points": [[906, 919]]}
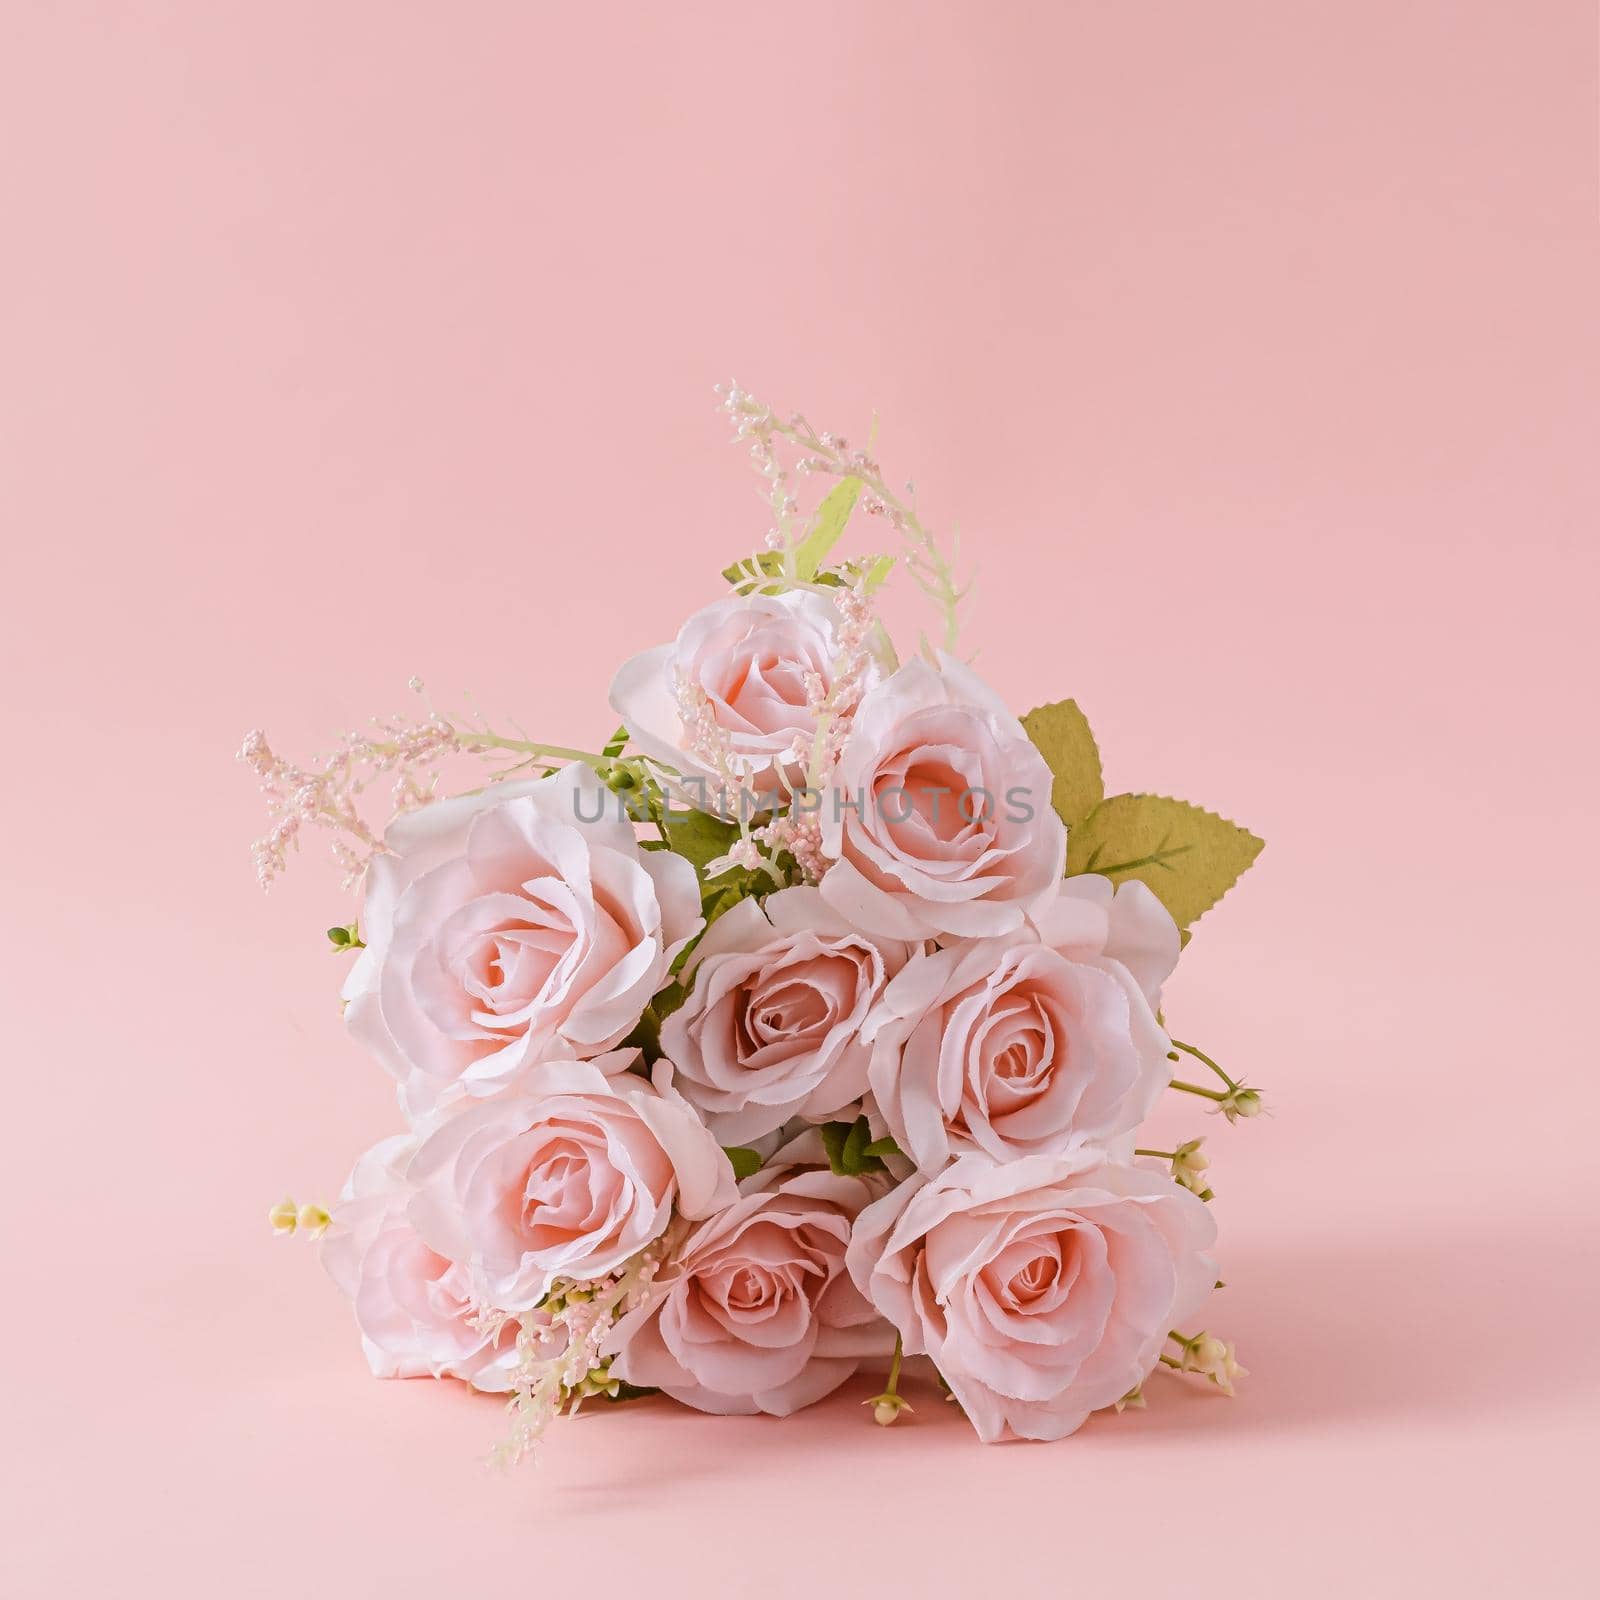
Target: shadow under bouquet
{"points": [[807, 1025]]}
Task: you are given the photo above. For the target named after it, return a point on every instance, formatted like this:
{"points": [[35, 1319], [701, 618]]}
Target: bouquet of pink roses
{"points": [[807, 1024]]}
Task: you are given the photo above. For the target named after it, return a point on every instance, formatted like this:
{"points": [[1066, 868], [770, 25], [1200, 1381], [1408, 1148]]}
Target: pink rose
{"points": [[507, 926], [939, 817], [1129, 926], [755, 665], [1043, 1289], [413, 1305], [772, 1025], [1013, 1048], [568, 1178], [756, 1313]]}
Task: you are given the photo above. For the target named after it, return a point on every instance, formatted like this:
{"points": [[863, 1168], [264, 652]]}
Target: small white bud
{"points": [[886, 1407], [1241, 1103]]}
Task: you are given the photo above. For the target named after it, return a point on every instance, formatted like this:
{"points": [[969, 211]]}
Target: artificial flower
{"points": [[506, 926], [756, 1312], [414, 1307], [733, 701], [779, 992], [568, 1178], [1043, 1288], [938, 819]]}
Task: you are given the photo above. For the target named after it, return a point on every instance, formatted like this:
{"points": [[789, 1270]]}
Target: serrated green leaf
{"points": [[827, 528], [1189, 857], [1060, 733], [746, 1162]]}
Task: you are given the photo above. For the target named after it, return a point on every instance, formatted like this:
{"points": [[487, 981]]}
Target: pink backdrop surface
{"points": [[1253, 346]]}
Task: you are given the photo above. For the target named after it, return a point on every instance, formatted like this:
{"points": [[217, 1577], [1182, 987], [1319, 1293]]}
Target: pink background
{"points": [[1254, 347]]}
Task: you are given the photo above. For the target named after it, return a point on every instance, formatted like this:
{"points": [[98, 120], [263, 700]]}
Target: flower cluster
{"points": [[807, 1024]]}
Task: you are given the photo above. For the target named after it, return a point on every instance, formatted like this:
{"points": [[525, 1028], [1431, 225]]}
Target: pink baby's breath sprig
{"points": [[409, 752], [797, 830], [793, 829], [736, 796]]}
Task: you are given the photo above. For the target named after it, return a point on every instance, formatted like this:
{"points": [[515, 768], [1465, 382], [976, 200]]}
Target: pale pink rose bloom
{"points": [[757, 1313], [511, 925], [939, 815], [1013, 1048], [1129, 926], [413, 1306], [569, 1177], [1043, 1289], [756, 660], [772, 1025]]}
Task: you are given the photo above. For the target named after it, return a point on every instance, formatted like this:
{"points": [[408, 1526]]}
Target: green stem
{"points": [[1200, 1089], [652, 801], [473, 740], [1165, 1155], [894, 1367], [1201, 1056]]}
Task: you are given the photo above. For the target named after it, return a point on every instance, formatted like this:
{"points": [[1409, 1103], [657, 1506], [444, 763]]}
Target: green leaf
{"points": [[699, 837], [1189, 857], [1060, 733], [346, 938], [768, 562], [853, 1158], [849, 1151], [645, 1036], [616, 744], [625, 1392], [876, 572], [827, 528], [746, 1162], [833, 1138], [668, 1000], [884, 1147], [721, 900]]}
